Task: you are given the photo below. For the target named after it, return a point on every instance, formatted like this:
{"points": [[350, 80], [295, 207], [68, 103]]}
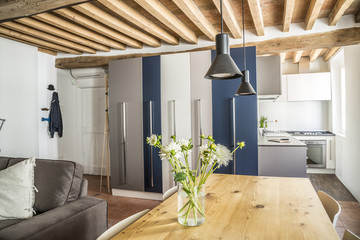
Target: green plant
{"points": [[262, 122]]}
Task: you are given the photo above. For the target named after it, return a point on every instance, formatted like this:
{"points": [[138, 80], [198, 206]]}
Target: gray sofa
{"points": [[63, 209]]}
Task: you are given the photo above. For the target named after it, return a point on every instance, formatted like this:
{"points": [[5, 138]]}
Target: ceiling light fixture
{"points": [[245, 86], [223, 67]]}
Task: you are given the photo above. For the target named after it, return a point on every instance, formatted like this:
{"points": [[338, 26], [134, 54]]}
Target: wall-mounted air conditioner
{"points": [[88, 77]]}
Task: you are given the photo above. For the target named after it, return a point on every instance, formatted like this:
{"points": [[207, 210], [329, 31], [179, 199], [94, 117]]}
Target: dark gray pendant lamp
{"points": [[245, 86], [223, 67]]}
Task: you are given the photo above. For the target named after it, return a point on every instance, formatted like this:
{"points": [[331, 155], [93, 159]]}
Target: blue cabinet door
{"points": [[223, 93], [151, 122]]}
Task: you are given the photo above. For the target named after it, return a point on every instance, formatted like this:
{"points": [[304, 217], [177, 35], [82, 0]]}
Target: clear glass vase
{"points": [[191, 205]]}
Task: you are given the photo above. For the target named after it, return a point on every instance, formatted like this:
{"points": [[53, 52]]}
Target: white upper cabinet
{"points": [[309, 87]]}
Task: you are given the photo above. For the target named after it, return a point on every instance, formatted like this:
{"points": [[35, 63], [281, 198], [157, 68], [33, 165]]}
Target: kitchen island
{"points": [[286, 158]]}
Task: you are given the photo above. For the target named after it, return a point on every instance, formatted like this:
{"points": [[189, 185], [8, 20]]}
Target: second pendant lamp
{"points": [[223, 67], [245, 86]]}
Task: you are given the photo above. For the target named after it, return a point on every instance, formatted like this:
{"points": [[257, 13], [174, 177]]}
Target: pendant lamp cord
{"points": [[243, 21], [221, 16]]}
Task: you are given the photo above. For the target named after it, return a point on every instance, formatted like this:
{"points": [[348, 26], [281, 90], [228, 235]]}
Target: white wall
{"points": [[24, 76], [292, 116], [347, 145], [18, 99], [302, 116], [48, 147]]}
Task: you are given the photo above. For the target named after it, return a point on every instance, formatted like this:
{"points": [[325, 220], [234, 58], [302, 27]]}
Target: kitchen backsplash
{"points": [[312, 115]]}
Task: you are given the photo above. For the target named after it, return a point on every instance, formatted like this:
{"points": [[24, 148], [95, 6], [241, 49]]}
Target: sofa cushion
{"points": [[17, 195], [7, 223], [58, 182]]}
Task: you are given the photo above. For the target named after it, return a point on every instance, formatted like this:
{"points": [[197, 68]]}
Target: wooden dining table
{"points": [[243, 207]]}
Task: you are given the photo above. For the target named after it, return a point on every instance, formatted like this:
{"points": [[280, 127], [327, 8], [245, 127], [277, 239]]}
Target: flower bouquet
{"points": [[191, 196]]}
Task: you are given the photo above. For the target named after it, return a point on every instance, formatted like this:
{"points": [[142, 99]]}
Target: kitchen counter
{"points": [[264, 141]]}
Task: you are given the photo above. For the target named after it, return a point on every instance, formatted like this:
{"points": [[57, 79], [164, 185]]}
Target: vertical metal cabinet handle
{"points": [[174, 117], [124, 138], [200, 119], [151, 148], [330, 141], [234, 132]]}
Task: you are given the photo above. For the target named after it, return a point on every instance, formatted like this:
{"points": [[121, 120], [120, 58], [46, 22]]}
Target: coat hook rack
{"points": [[51, 87]]}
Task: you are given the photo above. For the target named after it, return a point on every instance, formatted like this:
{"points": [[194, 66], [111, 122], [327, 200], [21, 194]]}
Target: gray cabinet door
{"points": [[126, 126]]}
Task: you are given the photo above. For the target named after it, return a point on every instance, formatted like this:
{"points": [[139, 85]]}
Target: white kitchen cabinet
{"points": [[309, 86], [284, 95]]}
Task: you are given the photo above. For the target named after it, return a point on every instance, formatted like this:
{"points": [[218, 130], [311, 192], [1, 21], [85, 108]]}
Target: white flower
{"points": [[183, 142], [223, 155], [152, 140], [172, 149], [205, 152]]}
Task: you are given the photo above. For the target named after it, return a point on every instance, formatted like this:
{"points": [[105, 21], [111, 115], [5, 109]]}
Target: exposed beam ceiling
{"points": [[113, 22], [165, 16], [343, 37], [314, 54], [45, 36], [13, 9], [70, 27], [331, 53], [33, 40], [61, 33], [256, 13], [297, 56], [97, 27], [313, 13], [288, 13], [338, 11], [136, 18], [282, 57], [194, 13], [141, 26], [229, 17], [357, 15]]}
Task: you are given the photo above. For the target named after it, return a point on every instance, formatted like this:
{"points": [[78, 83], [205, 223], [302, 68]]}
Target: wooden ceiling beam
{"points": [[288, 13], [314, 54], [61, 33], [313, 13], [97, 27], [338, 11], [47, 51], [13, 9], [336, 38], [26, 42], [357, 15], [130, 14], [36, 41], [159, 11], [256, 13], [195, 15], [70, 27], [229, 18], [297, 56], [282, 57], [115, 23], [331, 53], [45, 36]]}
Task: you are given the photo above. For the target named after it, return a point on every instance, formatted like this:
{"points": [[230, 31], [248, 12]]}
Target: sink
{"points": [[276, 134]]}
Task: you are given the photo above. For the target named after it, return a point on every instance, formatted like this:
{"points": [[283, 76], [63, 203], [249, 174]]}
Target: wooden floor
{"points": [[350, 209], [120, 208]]}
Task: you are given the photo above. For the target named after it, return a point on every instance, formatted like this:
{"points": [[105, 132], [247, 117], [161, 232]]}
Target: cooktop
{"points": [[310, 133]]}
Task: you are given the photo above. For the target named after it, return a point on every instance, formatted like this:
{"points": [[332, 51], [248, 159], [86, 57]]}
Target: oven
{"points": [[316, 153]]}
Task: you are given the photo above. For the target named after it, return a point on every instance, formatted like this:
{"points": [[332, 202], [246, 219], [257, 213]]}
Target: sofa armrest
{"points": [[83, 188], [85, 218]]}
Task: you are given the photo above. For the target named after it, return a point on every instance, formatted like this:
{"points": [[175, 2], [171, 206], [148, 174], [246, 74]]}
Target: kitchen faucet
{"points": [[265, 125]]}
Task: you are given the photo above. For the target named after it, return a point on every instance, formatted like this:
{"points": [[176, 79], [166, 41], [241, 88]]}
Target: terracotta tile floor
{"points": [[120, 208]]}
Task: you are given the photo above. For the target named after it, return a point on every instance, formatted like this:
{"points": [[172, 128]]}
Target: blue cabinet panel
{"points": [[152, 92], [223, 91]]}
